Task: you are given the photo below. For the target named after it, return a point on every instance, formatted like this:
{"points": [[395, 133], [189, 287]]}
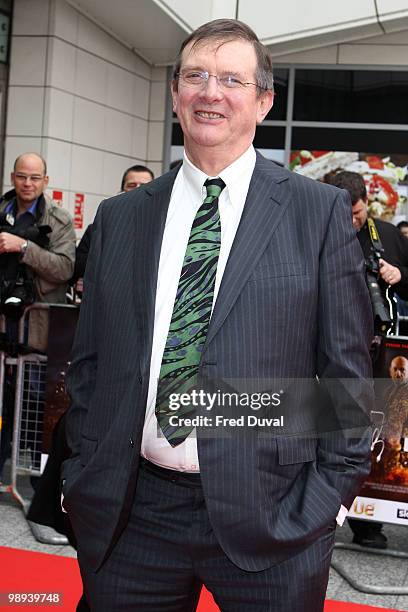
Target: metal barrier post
{"points": [[367, 587]]}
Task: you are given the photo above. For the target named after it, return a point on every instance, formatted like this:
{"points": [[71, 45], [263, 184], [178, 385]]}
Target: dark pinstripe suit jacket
{"points": [[292, 304]]}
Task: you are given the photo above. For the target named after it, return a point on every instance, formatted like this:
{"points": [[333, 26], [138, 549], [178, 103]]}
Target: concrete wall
{"points": [[88, 104], [93, 107], [295, 26], [381, 50]]}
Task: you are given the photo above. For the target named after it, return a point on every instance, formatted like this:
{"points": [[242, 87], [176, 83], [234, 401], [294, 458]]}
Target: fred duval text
{"points": [[249, 420]]}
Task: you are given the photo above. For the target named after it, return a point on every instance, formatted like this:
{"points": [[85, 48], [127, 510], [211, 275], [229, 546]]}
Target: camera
{"points": [[17, 288], [382, 313], [383, 307]]}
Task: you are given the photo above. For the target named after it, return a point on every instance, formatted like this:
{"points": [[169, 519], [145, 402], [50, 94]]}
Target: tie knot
{"points": [[214, 187]]}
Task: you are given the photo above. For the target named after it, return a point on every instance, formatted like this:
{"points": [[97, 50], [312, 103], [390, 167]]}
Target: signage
{"points": [[79, 211], [57, 197]]}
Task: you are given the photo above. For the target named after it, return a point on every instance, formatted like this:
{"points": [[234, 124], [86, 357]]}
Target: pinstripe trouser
{"points": [[168, 551]]}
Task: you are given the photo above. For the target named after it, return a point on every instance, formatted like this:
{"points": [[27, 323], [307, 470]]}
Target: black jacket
{"points": [[81, 255], [395, 252], [268, 495]]}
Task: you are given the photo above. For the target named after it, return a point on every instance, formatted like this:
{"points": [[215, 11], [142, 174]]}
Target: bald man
{"points": [[26, 206], [397, 401], [45, 270], [399, 369]]}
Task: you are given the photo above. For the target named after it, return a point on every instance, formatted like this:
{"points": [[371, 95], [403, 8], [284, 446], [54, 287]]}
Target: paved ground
{"points": [[369, 569]]}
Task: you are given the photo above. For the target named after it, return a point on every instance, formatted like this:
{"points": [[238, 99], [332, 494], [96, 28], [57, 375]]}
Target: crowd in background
{"points": [[39, 262]]}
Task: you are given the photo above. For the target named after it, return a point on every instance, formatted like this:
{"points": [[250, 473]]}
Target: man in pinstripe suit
{"points": [[158, 508]]}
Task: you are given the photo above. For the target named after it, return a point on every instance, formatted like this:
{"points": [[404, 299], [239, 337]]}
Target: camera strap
{"points": [[390, 301], [374, 236]]}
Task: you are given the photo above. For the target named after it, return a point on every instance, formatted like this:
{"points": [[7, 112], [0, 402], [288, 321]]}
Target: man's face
{"points": [[135, 179], [404, 231], [28, 179], [212, 117], [399, 369], [359, 214]]}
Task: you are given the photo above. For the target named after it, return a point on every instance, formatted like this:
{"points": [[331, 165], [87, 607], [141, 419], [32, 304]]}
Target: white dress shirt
{"points": [[186, 198]]}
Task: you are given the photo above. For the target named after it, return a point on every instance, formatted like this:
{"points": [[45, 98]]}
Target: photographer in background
{"points": [[394, 266], [47, 268], [51, 266], [392, 278]]}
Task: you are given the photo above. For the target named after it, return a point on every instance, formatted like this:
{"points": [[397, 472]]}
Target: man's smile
{"points": [[209, 114]]}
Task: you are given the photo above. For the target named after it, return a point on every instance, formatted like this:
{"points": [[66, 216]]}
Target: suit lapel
{"points": [[150, 219], [266, 202], [267, 199]]}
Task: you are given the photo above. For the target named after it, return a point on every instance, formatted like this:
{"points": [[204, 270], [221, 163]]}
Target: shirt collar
{"points": [[12, 207], [238, 175], [33, 207], [235, 176]]}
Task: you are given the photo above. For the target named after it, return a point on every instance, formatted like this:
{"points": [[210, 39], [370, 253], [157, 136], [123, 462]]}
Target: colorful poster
{"points": [[385, 175], [384, 495]]}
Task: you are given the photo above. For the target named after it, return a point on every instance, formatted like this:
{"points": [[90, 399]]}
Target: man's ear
{"points": [[12, 178], [265, 104], [174, 94]]}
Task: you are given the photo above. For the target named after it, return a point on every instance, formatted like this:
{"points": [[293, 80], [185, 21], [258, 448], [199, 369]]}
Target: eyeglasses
{"points": [[35, 178], [199, 79]]}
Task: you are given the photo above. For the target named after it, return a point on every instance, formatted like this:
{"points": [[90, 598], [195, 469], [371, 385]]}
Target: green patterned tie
{"points": [[191, 314]]}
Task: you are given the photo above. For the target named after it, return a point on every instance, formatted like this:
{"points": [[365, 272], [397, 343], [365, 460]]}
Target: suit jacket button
{"points": [[140, 379], [131, 442]]}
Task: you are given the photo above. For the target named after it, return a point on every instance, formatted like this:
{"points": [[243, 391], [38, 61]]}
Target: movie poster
{"points": [[384, 495], [62, 325]]}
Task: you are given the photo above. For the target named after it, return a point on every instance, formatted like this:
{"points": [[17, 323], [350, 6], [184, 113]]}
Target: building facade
{"points": [[85, 83]]}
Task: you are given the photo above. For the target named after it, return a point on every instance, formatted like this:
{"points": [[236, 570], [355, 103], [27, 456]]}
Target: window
{"points": [[351, 96]]}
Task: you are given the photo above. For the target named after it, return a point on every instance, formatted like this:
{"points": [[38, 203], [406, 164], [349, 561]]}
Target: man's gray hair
{"points": [[225, 30]]}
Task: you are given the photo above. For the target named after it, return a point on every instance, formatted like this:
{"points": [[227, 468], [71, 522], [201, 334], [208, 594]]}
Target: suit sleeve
{"points": [[344, 364], [81, 376]]}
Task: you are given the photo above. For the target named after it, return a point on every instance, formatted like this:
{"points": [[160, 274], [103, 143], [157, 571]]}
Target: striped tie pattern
{"points": [[191, 315]]}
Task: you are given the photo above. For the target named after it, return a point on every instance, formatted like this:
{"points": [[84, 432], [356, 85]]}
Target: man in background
{"points": [[135, 176], [403, 228], [394, 264], [26, 205], [49, 269]]}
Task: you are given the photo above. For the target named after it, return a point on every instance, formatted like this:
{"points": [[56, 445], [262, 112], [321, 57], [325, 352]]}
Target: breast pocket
{"points": [[278, 270], [296, 449]]}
